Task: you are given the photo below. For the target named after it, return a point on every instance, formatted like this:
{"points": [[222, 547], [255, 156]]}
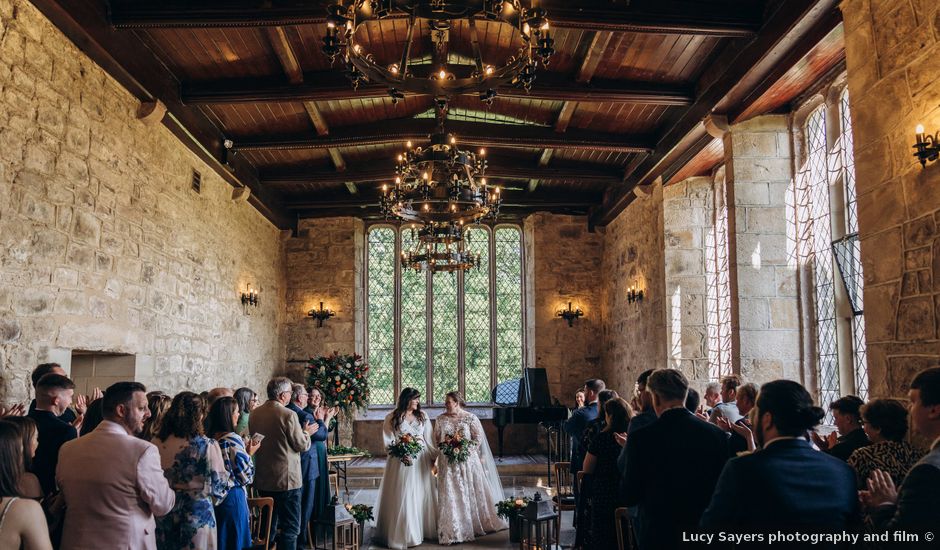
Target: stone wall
{"points": [[324, 264], [687, 222], [893, 63], [105, 247], [634, 335], [759, 171], [565, 262]]}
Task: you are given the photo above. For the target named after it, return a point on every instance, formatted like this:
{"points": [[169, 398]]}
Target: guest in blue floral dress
{"points": [[194, 467], [231, 515]]}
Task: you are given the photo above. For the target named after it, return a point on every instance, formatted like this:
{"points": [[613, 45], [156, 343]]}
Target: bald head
{"points": [[216, 393]]}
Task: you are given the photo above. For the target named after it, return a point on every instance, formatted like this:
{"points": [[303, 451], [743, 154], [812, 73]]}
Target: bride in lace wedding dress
{"points": [[406, 511], [468, 490]]}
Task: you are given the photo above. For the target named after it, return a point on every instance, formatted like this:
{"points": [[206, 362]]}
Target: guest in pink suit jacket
{"points": [[112, 481]]}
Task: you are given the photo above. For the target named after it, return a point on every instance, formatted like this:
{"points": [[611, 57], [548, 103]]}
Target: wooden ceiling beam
{"points": [[285, 54], [691, 17], [333, 85], [382, 169], [475, 134], [133, 66], [370, 198], [739, 68]]}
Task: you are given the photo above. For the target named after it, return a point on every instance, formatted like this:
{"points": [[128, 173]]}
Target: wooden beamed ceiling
{"points": [[620, 104]]}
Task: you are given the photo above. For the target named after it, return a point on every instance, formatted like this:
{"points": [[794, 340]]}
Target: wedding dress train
{"points": [[406, 512], [467, 491]]}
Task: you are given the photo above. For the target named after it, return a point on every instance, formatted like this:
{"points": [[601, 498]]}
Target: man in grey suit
{"points": [[915, 507], [277, 462]]}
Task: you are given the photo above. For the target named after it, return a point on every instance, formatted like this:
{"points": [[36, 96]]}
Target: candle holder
{"points": [[570, 314], [321, 314], [634, 295], [539, 530], [927, 147], [249, 299]]}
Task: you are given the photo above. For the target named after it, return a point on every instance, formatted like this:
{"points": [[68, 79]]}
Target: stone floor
{"points": [[496, 540]]}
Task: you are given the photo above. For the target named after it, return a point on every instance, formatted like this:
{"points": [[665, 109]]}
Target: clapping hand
{"points": [[81, 404], [97, 394], [620, 438], [311, 427], [723, 423], [744, 431], [252, 446], [16, 410], [881, 491]]}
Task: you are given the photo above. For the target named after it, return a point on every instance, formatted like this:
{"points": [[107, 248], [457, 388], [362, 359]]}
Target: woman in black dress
{"points": [[601, 463]]}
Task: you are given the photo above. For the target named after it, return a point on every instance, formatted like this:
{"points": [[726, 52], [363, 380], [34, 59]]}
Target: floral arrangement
{"points": [[456, 447], [342, 379], [405, 448], [360, 512], [510, 508], [343, 450]]}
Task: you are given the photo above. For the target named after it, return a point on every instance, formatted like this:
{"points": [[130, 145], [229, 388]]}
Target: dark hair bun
{"points": [[812, 416]]}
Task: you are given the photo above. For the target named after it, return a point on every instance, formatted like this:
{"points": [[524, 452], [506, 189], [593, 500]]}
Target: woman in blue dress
{"points": [[194, 467], [231, 515], [324, 416]]}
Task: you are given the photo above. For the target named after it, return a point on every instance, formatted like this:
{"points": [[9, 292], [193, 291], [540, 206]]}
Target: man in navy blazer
{"points": [[309, 470], [786, 485], [579, 420], [915, 507], [671, 466]]}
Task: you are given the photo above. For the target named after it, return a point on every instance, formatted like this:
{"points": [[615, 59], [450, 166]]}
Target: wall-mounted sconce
{"points": [[249, 299], [634, 295], [570, 314], [927, 146], [320, 314]]}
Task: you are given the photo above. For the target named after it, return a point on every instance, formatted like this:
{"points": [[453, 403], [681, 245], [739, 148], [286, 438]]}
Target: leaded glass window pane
{"points": [[509, 327], [445, 339], [414, 330], [847, 153], [381, 320], [477, 319]]}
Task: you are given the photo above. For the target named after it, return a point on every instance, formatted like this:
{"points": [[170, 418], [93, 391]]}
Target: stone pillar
{"points": [[687, 219], [893, 59], [759, 170]]}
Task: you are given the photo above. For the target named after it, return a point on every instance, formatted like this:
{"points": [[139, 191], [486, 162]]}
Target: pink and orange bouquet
{"points": [[456, 447], [406, 448]]}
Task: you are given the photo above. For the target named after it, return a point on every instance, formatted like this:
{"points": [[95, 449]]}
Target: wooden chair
{"points": [[564, 495], [260, 512], [334, 483], [625, 541]]}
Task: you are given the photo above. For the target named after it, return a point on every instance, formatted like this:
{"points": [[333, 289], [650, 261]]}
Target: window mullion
{"points": [[491, 267], [461, 335], [396, 376], [429, 340]]}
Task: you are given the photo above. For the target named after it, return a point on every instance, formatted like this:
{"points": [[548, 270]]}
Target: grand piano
{"points": [[527, 401]]}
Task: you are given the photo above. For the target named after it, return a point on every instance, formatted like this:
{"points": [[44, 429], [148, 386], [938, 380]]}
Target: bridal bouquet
{"points": [[405, 448], [456, 447]]}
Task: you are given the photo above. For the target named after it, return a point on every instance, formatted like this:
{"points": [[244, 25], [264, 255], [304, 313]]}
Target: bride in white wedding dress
{"points": [[467, 491], [406, 511]]}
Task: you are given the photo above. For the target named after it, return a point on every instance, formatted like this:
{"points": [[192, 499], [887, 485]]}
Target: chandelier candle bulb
{"points": [[919, 131]]}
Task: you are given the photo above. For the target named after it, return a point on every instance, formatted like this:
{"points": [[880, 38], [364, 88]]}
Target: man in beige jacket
{"points": [[112, 481], [277, 462]]}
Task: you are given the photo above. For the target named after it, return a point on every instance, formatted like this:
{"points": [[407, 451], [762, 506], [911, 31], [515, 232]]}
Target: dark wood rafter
{"points": [[122, 56], [475, 134], [333, 86], [696, 17], [292, 69], [381, 169], [738, 69], [592, 57]]}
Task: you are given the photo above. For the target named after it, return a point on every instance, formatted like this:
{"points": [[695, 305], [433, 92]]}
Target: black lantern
{"points": [[537, 524], [335, 529]]}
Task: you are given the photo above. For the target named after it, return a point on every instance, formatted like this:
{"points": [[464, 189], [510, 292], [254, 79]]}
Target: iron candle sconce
{"points": [[927, 147], [321, 314], [570, 314]]}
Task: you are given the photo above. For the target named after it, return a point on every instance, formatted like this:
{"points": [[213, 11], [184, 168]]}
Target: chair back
{"points": [[562, 481], [625, 537], [260, 512]]}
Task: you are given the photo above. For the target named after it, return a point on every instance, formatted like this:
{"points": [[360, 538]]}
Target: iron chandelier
{"points": [[440, 79]]}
